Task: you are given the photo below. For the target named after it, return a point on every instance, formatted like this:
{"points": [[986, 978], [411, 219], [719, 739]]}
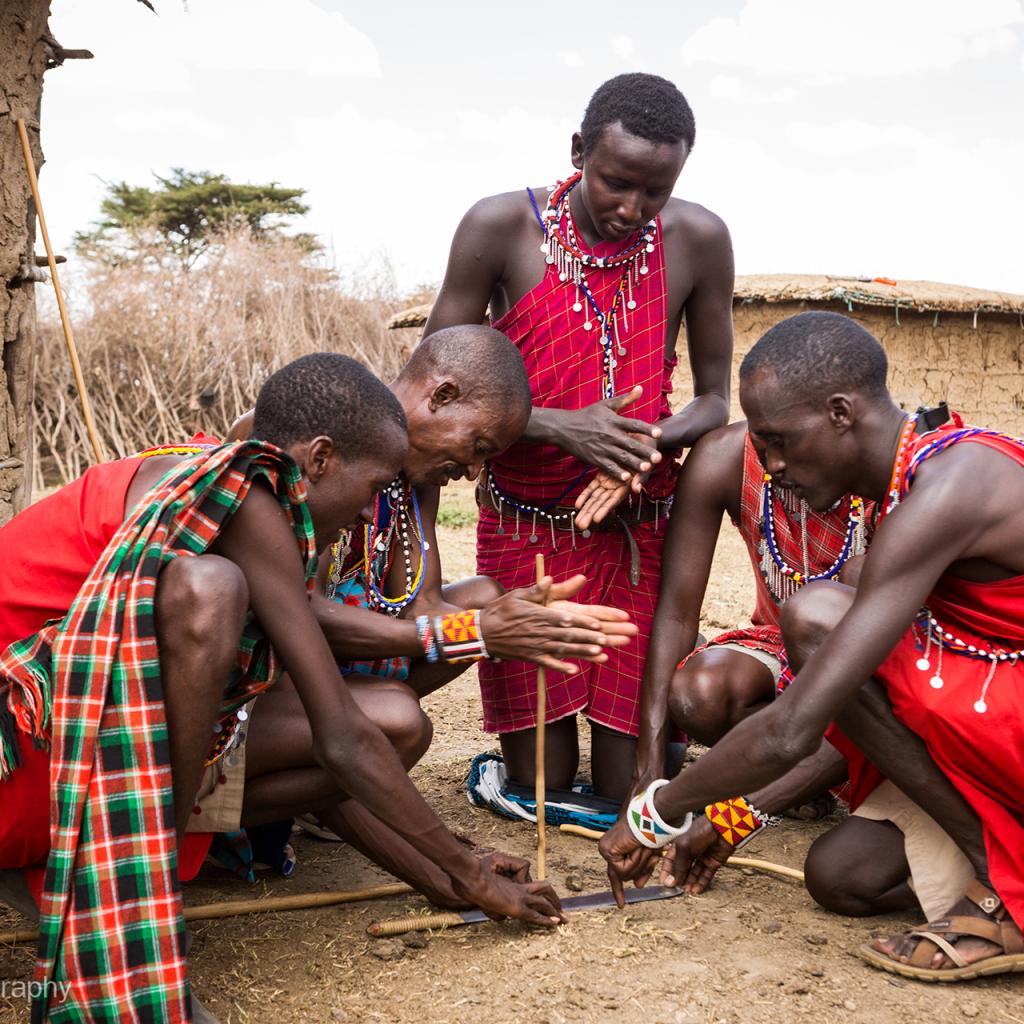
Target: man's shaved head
{"points": [[814, 355], [485, 365]]}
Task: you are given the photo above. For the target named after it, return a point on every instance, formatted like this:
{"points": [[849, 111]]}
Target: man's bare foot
{"points": [[977, 937]]}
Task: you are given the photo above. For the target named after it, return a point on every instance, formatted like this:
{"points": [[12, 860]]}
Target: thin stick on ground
{"points": [[76, 366], [272, 904], [539, 774]]}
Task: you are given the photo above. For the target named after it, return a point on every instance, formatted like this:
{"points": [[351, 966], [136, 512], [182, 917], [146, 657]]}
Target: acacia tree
{"points": [[187, 212]]}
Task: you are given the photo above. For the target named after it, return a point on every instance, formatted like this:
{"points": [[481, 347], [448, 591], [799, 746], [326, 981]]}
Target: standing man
{"points": [[592, 282]]}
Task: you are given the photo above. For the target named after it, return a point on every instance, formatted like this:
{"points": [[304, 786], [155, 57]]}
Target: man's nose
{"points": [[774, 463], [630, 209]]}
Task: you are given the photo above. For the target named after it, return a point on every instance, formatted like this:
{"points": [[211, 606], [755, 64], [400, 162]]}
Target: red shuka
{"points": [[982, 754], [47, 552], [563, 361]]}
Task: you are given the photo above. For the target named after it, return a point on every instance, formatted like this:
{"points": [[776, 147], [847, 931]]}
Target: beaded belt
{"points": [[562, 518]]}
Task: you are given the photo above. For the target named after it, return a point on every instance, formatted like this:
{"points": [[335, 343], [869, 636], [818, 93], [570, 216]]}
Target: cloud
{"points": [[162, 53], [874, 38], [862, 199], [728, 87], [623, 47], [571, 58]]}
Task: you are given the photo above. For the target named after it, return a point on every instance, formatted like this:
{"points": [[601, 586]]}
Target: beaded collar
{"points": [[782, 579], [563, 251]]}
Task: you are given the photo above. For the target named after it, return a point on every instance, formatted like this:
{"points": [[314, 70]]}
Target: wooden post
{"points": [[538, 769], [65, 320]]}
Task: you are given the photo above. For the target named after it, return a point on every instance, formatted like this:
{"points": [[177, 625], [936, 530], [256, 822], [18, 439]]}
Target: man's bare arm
{"points": [[912, 548], [708, 334], [346, 743], [708, 484]]}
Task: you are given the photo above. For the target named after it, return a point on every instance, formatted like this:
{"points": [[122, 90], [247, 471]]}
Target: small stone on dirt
{"points": [[969, 1009], [771, 927], [338, 1015], [416, 940], [816, 940], [387, 949], [574, 882], [850, 1005]]}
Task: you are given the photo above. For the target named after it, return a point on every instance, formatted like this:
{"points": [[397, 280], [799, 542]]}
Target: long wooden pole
{"points": [[69, 340], [540, 790], [239, 908]]}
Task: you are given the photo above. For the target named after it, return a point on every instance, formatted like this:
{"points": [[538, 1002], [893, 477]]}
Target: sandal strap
{"points": [[1012, 939], [984, 898], [919, 959], [978, 927]]}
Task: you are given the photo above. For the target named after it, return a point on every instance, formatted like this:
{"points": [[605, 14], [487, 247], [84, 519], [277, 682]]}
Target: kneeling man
{"points": [[937, 620]]}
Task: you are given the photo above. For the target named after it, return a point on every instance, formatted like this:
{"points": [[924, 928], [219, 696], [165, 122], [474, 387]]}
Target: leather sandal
{"points": [[940, 936]]}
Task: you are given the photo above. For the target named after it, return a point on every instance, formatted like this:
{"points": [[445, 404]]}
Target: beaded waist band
{"points": [[640, 509]]}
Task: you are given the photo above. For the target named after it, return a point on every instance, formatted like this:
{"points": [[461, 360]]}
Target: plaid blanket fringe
{"points": [[89, 684]]}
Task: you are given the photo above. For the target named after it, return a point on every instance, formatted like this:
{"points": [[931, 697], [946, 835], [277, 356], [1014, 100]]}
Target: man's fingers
{"points": [[617, 890], [621, 401]]}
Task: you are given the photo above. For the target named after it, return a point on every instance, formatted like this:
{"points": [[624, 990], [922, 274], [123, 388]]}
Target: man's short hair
{"points": [[814, 355], [326, 394], [486, 365], [646, 105]]}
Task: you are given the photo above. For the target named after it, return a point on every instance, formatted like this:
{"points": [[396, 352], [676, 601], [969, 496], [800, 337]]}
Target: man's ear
{"points": [[318, 455], [576, 151], [842, 412], [444, 394]]}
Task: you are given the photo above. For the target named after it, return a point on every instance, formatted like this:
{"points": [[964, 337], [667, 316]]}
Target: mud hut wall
{"points": [[978, 370]]}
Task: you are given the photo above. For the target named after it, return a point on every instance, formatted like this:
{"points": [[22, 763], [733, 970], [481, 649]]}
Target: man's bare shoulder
{"points": [[506, 211], [693, 223], [715, 463]]}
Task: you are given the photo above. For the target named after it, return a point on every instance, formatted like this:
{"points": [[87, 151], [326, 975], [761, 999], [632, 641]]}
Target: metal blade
{"points": [[595, 900]]}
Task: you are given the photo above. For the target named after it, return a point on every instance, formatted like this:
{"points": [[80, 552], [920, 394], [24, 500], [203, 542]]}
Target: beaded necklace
{"points": [[396, 516], [892, 494], [781, 579], [562, 250], [391, 521]]}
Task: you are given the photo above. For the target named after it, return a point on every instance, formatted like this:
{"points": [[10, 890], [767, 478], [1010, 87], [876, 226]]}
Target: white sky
{"points": [[878, 138]]}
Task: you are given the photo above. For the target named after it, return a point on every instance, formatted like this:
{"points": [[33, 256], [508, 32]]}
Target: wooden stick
{"points": [[732, 862], [76, 366], [239, 908], [414, 923], [540, 791]]}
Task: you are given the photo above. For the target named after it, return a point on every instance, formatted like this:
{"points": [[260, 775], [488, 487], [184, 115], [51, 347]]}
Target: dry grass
{"points": [[167, 351]]}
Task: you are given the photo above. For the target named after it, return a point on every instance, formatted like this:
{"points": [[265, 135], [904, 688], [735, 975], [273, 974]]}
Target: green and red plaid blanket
{"points": [[111, 918]]}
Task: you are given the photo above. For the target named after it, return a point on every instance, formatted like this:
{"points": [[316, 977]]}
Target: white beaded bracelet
{"points": [[647, 825]]}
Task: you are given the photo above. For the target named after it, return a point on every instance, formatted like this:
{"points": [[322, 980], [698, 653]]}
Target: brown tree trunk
{"points": [[26, 48]]}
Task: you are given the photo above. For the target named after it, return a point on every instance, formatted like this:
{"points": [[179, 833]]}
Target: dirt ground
{"points": [[754, 949]]}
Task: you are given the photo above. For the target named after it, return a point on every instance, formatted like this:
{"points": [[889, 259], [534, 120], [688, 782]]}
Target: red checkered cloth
{"points": [[563, 362]]}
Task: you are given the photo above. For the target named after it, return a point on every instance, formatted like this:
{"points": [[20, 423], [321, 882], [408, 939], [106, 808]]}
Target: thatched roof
{"points": [[919, 296], [916, 296]]}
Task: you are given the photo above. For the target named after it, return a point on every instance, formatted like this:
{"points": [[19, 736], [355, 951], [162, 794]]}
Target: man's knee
{"points": [[409, 729], [699, 702], [201, 599], [812, 613], [835, 878]]}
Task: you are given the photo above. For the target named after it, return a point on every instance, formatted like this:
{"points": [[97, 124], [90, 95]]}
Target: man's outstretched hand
{"points": [[518, 627], [598, 435], [502, 889]]}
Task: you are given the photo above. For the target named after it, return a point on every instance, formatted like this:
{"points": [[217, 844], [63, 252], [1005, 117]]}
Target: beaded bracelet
{"points": [[427, 638], [647, 825], [737, 820], [459, 636]]}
